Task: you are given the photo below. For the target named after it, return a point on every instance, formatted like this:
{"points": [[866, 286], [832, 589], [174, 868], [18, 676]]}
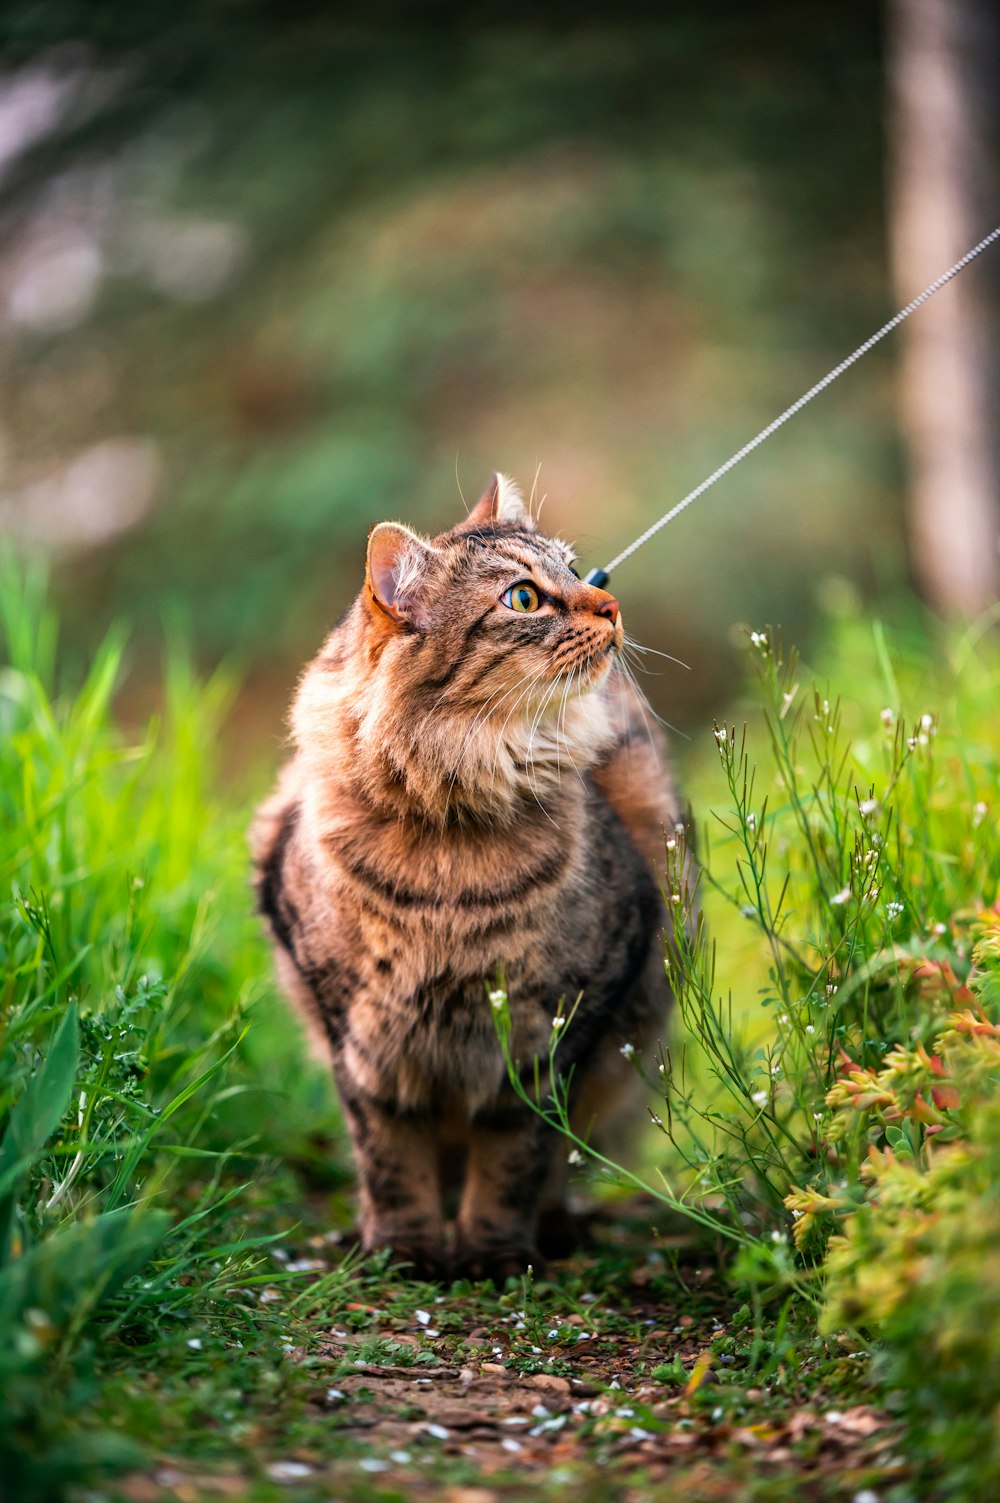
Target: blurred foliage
{"points": [[612, 248], [134, 1094]]}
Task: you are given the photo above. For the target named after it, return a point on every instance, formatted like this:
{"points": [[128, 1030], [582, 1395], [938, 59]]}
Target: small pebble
{"points": [[288, 1471]]}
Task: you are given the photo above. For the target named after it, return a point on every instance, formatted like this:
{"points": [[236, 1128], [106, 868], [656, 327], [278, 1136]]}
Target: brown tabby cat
{"points": [[474, 794]]}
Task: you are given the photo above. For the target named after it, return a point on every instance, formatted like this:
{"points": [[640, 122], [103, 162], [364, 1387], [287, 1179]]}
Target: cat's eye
{"points": [[522, 597]]}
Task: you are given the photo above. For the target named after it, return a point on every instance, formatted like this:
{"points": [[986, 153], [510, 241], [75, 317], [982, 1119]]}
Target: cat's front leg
{"points": [[399, 1199], [510, 1152]]}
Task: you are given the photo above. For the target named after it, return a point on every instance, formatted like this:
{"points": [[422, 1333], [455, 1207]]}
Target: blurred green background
{"points": [[268, 276]]}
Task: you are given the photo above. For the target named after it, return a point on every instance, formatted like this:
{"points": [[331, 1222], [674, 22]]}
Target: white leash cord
{"points": [[600, 576]]}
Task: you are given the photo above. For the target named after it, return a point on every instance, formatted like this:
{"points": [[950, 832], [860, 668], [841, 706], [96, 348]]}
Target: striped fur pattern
{"points": [[474, 794]]}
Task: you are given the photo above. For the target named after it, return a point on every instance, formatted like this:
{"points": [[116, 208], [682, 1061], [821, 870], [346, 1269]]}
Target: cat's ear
{"points": [[500, 502], [398, 562]]}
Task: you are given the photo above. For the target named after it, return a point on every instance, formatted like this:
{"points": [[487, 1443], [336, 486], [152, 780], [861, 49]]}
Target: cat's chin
{"points": [[584, 677]]}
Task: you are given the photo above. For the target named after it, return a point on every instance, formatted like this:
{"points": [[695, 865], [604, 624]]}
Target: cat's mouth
{"points": [[592, 665]]}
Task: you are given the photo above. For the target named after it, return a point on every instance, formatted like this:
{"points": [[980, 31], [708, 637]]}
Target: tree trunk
{"points": [[944, 66]]}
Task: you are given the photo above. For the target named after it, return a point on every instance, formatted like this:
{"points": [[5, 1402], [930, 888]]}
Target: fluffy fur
{"points": [[475, 793]]}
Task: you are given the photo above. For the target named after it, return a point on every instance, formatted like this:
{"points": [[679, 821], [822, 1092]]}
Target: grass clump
{"points": [[132, 1102], [849, 1122]]}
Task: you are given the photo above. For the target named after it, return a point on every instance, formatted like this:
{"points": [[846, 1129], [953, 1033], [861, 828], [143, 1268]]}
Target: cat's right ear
{"points": [[501, 501], [398, 562]]}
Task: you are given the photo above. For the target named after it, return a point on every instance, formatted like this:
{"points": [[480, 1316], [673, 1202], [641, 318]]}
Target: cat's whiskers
{"points": [[564, 733], [637, 646], [501, 744], [534, 486], [493, 703], [644, 705], [504, 745], [529, 754]]}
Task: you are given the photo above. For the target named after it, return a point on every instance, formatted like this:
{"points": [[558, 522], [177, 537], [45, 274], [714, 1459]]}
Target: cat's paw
{"points": [[417, 1260], [562, 1231], [498, 1264]]}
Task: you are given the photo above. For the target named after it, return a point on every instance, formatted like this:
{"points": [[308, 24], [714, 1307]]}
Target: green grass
{"points": [[171, 1163]]}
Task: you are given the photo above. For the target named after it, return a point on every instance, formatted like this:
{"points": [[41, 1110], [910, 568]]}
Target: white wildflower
{"points": [[843, 896], [628, 1050]]}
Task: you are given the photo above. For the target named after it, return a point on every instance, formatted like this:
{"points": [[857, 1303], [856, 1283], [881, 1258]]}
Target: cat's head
{"points": [[471, 670], [488, 605]]}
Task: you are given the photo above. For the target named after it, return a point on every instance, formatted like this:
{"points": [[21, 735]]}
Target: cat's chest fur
{"points": [[410, 926]]}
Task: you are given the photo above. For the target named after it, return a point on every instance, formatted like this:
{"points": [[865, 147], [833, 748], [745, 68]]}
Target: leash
{"points": [[600, 577]]}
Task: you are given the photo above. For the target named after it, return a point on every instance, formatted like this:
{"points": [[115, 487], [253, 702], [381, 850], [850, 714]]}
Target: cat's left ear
{"points": [[398, 562], [500, 502]]}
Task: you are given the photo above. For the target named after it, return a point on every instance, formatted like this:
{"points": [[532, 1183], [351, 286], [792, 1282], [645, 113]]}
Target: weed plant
{"points": [[841, 1127]]}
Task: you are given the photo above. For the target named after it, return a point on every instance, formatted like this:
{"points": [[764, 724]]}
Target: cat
{"points": [[476, 796]]}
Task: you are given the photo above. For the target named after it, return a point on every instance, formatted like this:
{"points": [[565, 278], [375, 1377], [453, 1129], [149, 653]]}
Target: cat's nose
{"points": [[608, 607]]}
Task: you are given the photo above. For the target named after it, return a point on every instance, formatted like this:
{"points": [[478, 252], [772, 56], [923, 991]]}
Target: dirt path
{"points": [[601, 1406], [629, 1374]]}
